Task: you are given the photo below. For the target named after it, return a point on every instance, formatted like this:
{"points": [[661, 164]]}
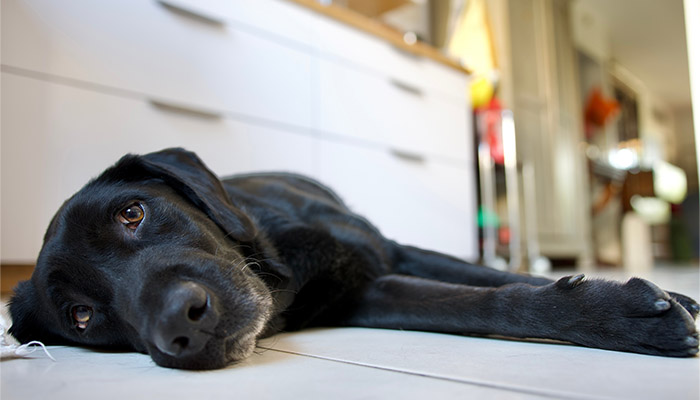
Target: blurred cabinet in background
{"points": [[539, 82]]}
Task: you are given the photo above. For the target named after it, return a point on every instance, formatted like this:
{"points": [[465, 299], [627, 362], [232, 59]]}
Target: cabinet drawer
{"points": [[55, 138], [428, 204], [280, 18], [147, 48], [375, 109], [352, 46]]}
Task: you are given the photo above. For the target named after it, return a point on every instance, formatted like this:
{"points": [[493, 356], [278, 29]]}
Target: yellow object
{"points": [[481, 91], [471, 42]]}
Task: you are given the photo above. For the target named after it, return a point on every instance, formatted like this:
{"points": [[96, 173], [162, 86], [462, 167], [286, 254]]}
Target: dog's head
{"points": [[152, 256]]}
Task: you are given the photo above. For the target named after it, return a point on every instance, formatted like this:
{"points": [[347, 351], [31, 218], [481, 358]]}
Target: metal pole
{"points": [[510, 161], [488, 203]]}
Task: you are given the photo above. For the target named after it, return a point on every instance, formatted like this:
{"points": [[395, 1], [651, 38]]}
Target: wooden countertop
{"points": [[380, 30]]}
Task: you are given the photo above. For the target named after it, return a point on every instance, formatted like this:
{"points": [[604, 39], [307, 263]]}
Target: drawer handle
{"points": [[196, 15], [407, 87], [405, 53], [185, 110], [408, 156]]}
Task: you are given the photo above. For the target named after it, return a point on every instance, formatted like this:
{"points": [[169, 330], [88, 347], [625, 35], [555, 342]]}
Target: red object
{"points": [[504, 235], [489, 118], [599, 109]]}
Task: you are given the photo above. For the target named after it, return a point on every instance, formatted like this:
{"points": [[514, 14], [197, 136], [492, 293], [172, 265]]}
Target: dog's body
{"points": [[159, 256]]}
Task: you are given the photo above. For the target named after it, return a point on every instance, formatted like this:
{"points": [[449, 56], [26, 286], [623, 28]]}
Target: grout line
{"points": [[490, 385]]}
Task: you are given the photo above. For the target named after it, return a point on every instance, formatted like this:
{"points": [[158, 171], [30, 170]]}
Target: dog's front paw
{"points": [[636, 316]]}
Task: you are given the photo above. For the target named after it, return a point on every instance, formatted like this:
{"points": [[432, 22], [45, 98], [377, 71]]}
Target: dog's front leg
{"points": [[636, 316]]}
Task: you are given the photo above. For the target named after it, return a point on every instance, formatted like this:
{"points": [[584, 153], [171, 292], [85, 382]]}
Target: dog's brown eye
{"points": [[132, 216], [81, 316]]}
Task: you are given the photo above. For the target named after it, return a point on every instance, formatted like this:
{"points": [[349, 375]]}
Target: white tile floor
{"points": [[363, 363]]}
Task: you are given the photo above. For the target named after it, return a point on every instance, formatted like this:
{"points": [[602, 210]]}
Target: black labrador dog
{"points": [[159, 256]]}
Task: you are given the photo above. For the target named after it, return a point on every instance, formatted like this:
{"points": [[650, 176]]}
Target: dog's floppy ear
{"points": [[185, 172], [24, 310]]}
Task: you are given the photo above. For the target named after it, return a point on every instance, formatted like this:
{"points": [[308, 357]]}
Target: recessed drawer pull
{"points": [[407, 87], [196, 15], [405, 53], [185, 109], [408, 156]]}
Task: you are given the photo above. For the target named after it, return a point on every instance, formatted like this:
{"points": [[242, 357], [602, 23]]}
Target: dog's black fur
{"points": [[215, 265]]}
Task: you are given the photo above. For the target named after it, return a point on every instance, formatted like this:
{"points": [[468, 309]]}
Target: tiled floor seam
{"points": [[490, 385]]}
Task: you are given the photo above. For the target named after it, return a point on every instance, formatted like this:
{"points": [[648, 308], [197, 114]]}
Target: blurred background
{"points": [[528, 135]]}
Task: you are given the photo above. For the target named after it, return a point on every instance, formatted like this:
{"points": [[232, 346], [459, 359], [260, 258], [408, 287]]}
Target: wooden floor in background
{"points": [[10, 274]]}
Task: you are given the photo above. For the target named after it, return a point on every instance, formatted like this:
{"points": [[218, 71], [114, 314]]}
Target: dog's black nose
{"points": [[184, 325]]}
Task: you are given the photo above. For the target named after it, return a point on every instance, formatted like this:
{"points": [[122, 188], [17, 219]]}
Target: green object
{"points": [[681, 249], [487, 217]]}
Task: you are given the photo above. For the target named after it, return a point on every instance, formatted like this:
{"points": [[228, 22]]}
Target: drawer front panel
{"points": [[147, 48], [371, 108], [426, 204], [352, 46], [55, 138], [280, 18]]}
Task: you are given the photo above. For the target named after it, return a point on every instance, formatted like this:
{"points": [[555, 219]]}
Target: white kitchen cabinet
{"points": [[548, 124], [249, 86]]}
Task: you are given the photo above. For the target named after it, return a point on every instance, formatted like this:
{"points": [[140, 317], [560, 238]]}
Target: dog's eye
{"points": [[132, 215], [81, 316]]}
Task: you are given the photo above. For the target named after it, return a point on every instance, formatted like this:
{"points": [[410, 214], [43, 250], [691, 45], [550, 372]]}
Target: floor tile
{"points": [[555, 370], [85, 374]]}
